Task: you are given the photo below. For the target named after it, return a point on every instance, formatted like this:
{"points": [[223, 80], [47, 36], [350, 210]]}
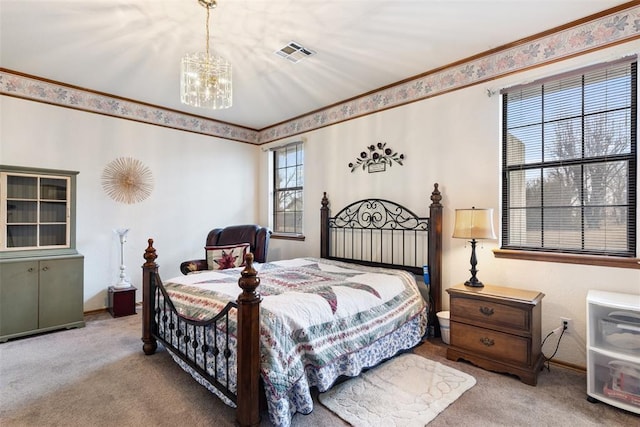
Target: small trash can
{"points": [[443, 318]]}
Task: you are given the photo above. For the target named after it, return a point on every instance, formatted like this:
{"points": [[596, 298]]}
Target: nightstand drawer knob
{"points": [[487, 311], [487, 341]]}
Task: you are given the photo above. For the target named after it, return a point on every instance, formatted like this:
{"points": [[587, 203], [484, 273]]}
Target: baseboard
{"points": [[97, 311], [105, 309], [577, 368]]}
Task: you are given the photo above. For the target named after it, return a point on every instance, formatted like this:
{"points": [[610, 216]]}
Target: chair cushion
{"points": [[226, 256]]}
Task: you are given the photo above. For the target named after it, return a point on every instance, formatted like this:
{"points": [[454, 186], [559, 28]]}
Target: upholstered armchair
{"points": [[255, 235]]}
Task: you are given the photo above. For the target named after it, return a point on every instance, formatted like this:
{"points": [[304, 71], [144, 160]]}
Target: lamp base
{"points": [[122, 284], [474, 283]]}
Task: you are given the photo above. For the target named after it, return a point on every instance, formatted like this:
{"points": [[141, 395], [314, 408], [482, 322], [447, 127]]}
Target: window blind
{"points": [[569, 166]]}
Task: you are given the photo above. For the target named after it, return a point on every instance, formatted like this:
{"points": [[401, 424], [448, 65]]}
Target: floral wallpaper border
{"points": [[608, 30], [67, 96]]}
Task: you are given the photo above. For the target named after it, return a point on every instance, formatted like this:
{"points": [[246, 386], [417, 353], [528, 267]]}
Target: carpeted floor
{"points": [[98, 375]]}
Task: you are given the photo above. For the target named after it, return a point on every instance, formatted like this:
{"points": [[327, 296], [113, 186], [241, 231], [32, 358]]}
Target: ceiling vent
{"points": [[294, 52]]}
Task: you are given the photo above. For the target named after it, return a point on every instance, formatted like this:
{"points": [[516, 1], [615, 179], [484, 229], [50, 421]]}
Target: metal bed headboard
{"points": [[382, 233]]}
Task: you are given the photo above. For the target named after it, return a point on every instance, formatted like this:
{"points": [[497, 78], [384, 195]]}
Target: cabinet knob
{"points": [[487, 311], [487, 341], [30, 270], [45, 268]]}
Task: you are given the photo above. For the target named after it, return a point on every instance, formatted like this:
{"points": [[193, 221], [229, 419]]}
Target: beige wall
{"points": [[200, 183], [452, 139]]}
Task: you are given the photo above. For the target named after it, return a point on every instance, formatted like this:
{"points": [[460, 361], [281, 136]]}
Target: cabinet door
{"points": [[61, 291], [35, 211], [18, 297]]}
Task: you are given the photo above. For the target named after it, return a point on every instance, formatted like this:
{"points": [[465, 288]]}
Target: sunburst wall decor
{"points": [[127, 180]]}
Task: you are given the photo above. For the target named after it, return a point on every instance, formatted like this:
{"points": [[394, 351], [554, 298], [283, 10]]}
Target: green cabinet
{"points": [[40, 295], [41, 273]]}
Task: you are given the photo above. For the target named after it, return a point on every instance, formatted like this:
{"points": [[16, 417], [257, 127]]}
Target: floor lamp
{"points": [[474, 224], [123, 282]]}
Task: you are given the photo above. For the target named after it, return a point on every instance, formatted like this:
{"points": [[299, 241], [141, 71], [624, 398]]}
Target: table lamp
{"points": [[474, 224]]}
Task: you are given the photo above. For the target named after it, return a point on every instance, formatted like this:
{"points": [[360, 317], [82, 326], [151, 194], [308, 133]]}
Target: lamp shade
{"points": [[474, 224]]}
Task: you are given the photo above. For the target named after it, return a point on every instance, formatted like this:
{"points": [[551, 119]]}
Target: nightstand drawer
{"points": [[489, 313], [505, 347]]}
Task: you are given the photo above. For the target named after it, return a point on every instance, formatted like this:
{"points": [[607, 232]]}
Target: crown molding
{"points": [[34, 88]]}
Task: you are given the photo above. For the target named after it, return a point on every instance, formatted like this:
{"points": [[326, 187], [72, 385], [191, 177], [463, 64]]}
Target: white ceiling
{"points": [[132, 48]]}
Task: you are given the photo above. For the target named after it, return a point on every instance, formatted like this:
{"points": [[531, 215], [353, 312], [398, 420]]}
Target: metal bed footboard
{"points": [[205, 346]]}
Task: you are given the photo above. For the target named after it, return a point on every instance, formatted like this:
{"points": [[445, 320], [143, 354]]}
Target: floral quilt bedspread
{"points": [[319, 319]]}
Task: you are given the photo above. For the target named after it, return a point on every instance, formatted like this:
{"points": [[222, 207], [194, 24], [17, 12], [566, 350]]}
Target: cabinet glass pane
{"points": [[19, 236], [22, 187], [53, 235], [53, 211], [53, 189], [20, 211]]}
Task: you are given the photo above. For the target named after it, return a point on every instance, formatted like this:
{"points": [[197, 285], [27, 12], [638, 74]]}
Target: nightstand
{"points": [[498, 329], [122, 302]]}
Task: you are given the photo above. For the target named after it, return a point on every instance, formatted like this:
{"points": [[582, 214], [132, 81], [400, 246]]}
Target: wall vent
{"points": [[294, 52]]}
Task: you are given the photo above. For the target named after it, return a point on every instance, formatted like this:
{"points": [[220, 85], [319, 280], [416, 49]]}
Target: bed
{"points": [[304, 322]]}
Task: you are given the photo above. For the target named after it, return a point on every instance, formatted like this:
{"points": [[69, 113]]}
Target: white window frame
{"points": [[294, 162]]}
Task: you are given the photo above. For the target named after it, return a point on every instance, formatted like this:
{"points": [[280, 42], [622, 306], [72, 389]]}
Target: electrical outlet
{"points": [[567, 321]]}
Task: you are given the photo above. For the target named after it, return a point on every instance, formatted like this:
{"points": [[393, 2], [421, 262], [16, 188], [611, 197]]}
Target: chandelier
{"points": [[205, 79]]}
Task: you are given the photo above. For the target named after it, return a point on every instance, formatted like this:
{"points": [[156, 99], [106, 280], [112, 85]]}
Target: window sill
{"points": [[287, 236], [602, 261]]}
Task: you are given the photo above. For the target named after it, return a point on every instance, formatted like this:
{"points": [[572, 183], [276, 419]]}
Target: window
{"points": [[569, 167], [288, 179]]}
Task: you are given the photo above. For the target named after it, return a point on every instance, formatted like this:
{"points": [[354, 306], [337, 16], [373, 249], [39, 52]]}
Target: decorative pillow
{"points": [[229, 256]]}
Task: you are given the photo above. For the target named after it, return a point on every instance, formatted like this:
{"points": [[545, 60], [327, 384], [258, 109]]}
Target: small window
{"points": [[288, 182], [569, 166]]}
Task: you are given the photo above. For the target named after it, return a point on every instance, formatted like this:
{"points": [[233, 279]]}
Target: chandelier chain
{"points": [[206, 78], [207, 26]]}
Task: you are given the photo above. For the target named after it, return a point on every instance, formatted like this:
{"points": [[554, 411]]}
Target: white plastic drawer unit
{"points": [[620, 331], [613, 349]]}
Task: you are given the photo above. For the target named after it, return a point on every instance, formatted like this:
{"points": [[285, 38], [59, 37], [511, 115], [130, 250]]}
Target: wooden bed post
{"points": [[148, 291], [324, 227], [248, 389], [435, 247]]}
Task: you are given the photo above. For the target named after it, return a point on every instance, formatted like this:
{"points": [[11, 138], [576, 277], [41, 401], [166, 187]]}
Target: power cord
{"points": [[563, 328]]}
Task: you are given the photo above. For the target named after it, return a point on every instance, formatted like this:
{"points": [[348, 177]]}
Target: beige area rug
{"points": [[408, 390]]}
